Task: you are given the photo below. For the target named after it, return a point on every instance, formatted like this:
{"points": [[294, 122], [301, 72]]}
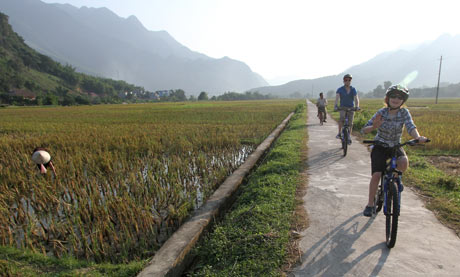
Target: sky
{"points": [[285, 40]]}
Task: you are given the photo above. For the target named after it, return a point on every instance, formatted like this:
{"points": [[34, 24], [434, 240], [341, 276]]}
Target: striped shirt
{"points": [[391, 129]]}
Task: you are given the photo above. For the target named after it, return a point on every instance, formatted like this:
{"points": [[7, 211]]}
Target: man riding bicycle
{"points": [[348, 96], [321, 103], [389, 123]]}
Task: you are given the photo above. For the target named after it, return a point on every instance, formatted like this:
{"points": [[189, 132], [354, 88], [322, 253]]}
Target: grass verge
{"points": [[254, 238], [440, 191]]}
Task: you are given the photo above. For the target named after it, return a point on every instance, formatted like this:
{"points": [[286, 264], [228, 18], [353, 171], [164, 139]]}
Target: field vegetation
{"points": [[253, 238], [127, 175]]}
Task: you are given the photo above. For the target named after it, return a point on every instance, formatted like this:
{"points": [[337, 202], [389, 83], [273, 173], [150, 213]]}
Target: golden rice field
{"points": [[127, 175], [439, 122]]}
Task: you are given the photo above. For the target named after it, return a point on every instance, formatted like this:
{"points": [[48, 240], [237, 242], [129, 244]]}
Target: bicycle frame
{"points": [[345, 131], [391, 174], [321, 115]]}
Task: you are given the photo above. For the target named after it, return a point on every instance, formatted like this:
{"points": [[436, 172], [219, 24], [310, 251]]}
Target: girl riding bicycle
{"points": [[389, 122]]}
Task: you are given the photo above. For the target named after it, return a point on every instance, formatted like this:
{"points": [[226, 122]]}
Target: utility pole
{"points": [[439, 77]]}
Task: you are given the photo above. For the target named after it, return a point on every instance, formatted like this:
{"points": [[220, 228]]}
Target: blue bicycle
{"points": [[389, 191], [345, 132]]}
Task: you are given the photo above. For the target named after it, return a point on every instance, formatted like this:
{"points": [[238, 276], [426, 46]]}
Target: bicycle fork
{"points": [[386, 190]]}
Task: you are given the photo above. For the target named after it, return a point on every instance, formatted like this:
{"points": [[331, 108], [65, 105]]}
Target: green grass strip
{"points": [[440, 190], [253, 237]]}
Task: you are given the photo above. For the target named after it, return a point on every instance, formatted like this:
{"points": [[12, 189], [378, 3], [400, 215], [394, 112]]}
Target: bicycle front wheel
{"points": [[392, 214], [378, 200], [345, 141]]}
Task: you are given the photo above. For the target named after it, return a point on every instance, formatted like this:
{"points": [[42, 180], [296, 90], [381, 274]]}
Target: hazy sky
{"points": [[285, 40]]}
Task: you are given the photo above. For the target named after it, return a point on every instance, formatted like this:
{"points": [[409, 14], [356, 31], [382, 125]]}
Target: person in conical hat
{"points": [[42, 158]]}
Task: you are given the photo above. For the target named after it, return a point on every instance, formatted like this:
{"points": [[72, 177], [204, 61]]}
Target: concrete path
{"points": [[341, 242]]}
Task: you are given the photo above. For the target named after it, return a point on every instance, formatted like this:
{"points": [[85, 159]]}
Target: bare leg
{"points": [[373, 185], [402, 163]]}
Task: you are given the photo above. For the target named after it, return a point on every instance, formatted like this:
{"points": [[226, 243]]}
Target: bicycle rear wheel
{"points": [[392, 214], [345, 141]]}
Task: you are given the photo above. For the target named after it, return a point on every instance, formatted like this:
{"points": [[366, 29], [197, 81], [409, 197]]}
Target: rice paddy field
{"points": [[439, 122], [127, 175]]}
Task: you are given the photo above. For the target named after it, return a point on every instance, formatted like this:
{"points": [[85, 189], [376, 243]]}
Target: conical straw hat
{"points": [[41, 157]]}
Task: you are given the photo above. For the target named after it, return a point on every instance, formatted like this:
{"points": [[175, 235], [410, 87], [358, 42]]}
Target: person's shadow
{"points": [[328, 257], [324, 159]]}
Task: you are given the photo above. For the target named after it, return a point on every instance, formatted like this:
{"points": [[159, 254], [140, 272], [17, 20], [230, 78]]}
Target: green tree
{"points": [[82, 100], [387, 84], [69, 100], [50, 99], [203, 96], [378, 92], [177, 95], [60, 91]]}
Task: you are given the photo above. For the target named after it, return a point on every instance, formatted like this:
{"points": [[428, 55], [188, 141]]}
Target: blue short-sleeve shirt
{"points": [[347, 99]]}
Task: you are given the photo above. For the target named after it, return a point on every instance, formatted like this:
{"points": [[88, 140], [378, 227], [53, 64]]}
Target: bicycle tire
{"points": [[392, 215], [345, 141]]}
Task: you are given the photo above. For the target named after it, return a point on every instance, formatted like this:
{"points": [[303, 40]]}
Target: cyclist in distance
{"points": [[389, 122], [348, 98], [321, 103]]}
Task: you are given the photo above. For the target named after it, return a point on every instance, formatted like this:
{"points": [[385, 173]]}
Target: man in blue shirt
{"points": [[348, 97]]}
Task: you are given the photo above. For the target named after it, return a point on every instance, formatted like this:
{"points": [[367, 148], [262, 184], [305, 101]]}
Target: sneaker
{"points": [[338, 136], [325, 121], [368, 211]]}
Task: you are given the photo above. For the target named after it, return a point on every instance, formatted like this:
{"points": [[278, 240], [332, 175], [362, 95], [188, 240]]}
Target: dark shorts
{"points": [[322, 109], [380, 155]]}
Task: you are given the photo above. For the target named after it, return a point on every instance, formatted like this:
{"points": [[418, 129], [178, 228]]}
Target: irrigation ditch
{"points": [[175, 254]]}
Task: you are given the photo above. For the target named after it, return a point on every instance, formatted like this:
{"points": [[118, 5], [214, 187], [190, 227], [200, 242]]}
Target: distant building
{"points": [[24, 93], [162, 93]]}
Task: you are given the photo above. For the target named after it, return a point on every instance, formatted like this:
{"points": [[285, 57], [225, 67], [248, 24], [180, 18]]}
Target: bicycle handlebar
{"points": [[411, 142], [348, 108]]}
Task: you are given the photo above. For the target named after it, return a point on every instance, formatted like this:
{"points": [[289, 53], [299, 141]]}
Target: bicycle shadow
{"points": [[328, 257], [325, 158], [312, 124]]}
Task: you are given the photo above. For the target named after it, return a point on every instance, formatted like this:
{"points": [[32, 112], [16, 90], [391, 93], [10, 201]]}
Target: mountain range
{"points": [[98, 42], [30, 78], [395, 66]]}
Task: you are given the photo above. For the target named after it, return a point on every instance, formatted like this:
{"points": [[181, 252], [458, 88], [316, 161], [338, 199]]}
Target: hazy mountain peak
{"points": [[133, 19], [422, 60], [97, 41]]}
